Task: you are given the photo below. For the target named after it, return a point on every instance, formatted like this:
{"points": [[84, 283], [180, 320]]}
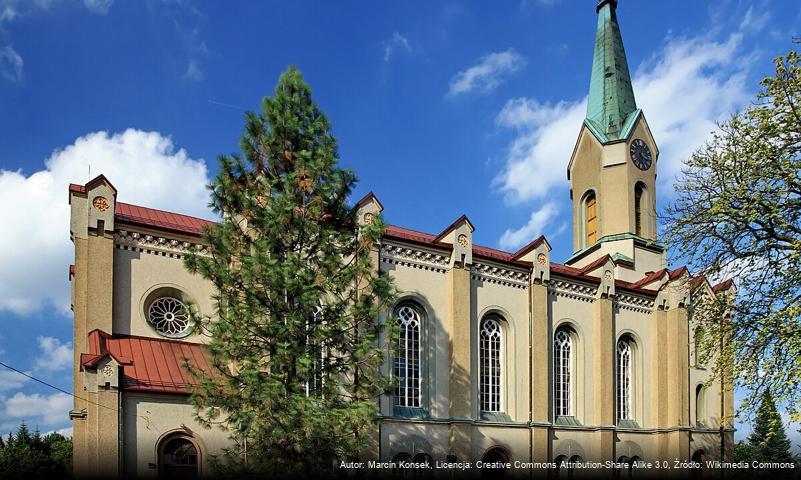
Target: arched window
{"points": [[561, 470], [639, 189], [624, 383], [624, 468], [590, 219], [422, 472], [494, 463], [399, 471], [698, 338], [563, 370], [407, 357], [178, 458], [700, 406], [490, 345]]}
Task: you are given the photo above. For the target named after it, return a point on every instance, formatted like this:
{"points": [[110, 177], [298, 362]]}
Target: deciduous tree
{"points": [[737, 214]]}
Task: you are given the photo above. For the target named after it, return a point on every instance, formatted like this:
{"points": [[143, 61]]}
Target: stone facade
{"points": [[132, 412]]}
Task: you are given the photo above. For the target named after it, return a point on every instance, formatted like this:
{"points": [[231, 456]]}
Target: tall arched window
{"points": [[407, 357], [490, 344], [590, 219], [563, 369], [178, 458], [638, 200], [624, 383], [700, 406]]}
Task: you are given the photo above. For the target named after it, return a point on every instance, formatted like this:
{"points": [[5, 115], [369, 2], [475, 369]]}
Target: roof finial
{"points": [[601, 3]]}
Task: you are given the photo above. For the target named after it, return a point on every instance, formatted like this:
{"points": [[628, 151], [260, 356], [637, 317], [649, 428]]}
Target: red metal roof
{"points": [[160, 219], [150, 364], [151, 217], [722, 286]]}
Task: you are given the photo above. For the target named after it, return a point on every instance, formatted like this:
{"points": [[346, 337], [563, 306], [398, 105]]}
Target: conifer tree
{"points": [[769, 438], [293, 335]]}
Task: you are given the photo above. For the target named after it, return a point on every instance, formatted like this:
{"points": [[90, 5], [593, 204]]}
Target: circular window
{"points": [[169, 316]]}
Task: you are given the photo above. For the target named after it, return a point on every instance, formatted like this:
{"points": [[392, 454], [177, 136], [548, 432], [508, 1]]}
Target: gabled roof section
{"points": [[531, 246], [611, 99], [725, 285], [453, 225], [100, 179], [367, 198], [150, 364]]}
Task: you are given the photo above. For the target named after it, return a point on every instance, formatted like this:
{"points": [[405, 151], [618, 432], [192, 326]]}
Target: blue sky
{"points": [[441, 108]]}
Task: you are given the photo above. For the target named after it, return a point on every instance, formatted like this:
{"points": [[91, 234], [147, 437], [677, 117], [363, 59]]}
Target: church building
{"points": [[502, 356]]}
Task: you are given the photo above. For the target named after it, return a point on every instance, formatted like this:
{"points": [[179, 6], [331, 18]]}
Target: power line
{"points": [[147, 419]]}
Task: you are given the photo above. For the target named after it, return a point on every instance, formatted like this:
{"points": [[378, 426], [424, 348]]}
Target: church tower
{"points": [[612, 171]]}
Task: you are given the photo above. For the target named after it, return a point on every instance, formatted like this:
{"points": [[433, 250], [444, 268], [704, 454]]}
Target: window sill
{"points": [[627, 424], [500, 417], [567, 420], [410, 412]]}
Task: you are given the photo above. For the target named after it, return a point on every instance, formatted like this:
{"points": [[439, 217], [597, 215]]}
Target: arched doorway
{"points": [[494, 460], [179, 458], [699, 458]]}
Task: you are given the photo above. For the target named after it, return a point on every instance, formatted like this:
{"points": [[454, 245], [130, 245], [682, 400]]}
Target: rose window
{"points": [[169, 317]]}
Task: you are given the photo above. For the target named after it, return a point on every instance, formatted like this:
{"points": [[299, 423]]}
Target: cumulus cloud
{"points": [[11, 380], [99, 7], [37, 410], [485, 76], [146, 168], [54, 355], [398, 41], [11, 64], [707, 76], [512, 239]]}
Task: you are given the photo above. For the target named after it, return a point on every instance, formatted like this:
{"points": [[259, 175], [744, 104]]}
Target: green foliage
{"points": [[737, 215], [768, 437], [27, 455], [294, 332]]}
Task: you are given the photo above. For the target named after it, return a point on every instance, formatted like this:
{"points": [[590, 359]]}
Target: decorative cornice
{"points": [[156, 244], [634, 303], [414, 257], [500, 275], [576, 291]]}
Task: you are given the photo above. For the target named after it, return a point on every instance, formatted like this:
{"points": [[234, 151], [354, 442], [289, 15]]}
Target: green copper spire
{"points": [[611, 101]]}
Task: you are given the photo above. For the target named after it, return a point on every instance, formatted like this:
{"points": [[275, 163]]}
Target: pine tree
{"points": [[769, 437], [293, 337]]}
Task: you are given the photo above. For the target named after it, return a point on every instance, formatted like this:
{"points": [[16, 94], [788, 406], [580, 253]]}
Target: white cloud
{"points": [[536, 160], [98, 6], [193, 72], [513, 239], [397, 41], [683, 89], [490, 71], [11, 380], [145, 167], [11, 64], [54, 354], [37, 410], [754, 22]]}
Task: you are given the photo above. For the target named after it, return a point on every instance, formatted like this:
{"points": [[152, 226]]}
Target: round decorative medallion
{"points": [[462, 240], [608, 275], [108, 371], [368, 218], [100, 204], [169, 317], [542, 259]]}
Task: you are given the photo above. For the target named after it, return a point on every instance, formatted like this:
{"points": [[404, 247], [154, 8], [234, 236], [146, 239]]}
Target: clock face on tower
{"points": [[640, 154]]}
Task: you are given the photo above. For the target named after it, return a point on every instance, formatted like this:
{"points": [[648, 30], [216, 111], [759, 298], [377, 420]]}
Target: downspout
{"points": [[530, 373], [120, 430]]}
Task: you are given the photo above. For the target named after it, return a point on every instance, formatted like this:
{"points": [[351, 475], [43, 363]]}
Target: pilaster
{"points": [[95, 411]]}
